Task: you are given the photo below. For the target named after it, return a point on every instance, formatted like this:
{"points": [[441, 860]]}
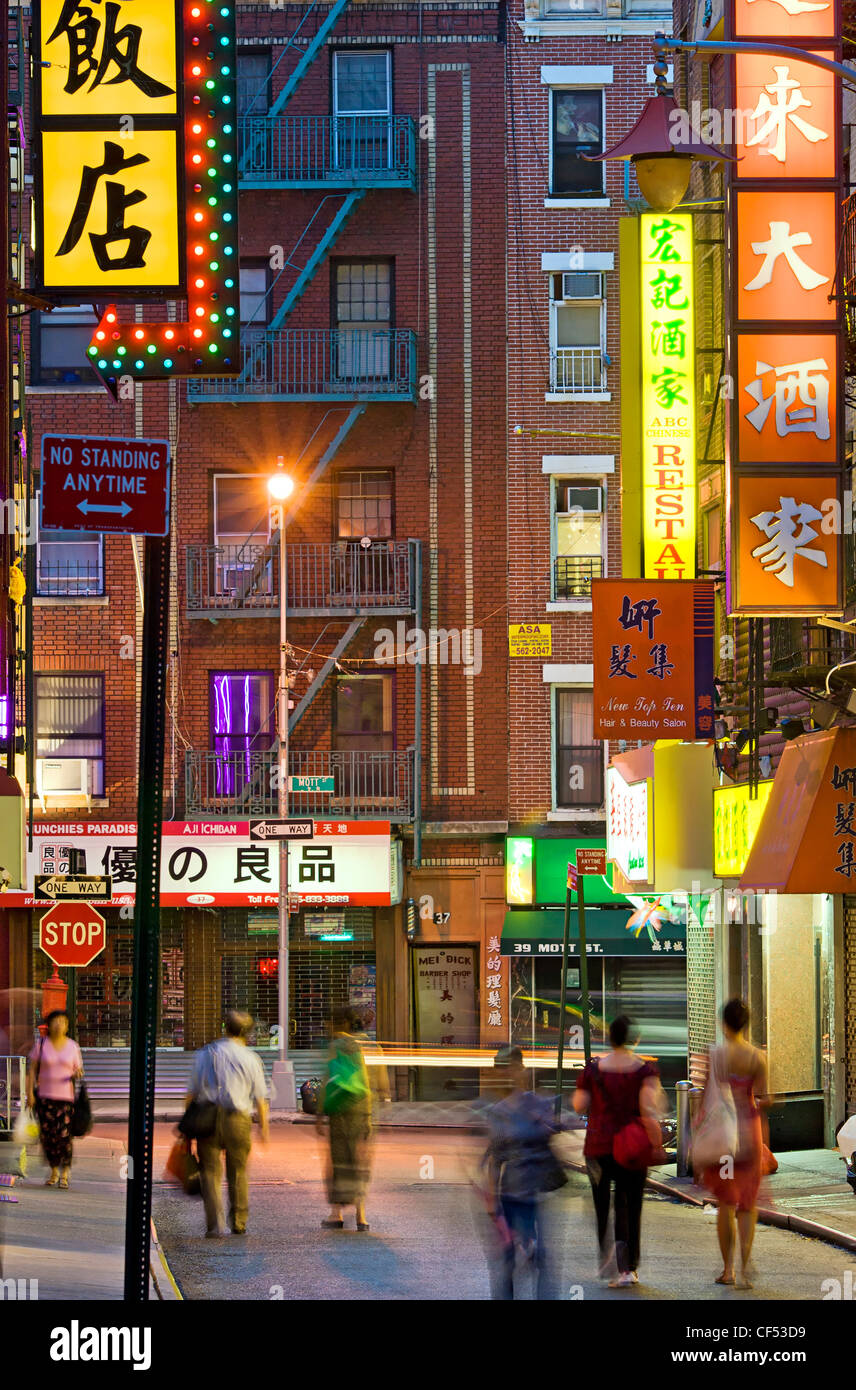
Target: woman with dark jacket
{"points": [[614, 1090]]}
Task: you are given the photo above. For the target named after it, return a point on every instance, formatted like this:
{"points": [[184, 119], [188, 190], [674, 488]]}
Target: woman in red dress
{"points": [[735, 1182]]}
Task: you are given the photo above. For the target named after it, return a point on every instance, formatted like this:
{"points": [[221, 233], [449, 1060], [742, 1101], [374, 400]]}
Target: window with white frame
{"points": [[576, 130], [70, 728], [69, 564], [241, 517], [577, 333], [578, 756], [362, 109], [253, 302], [579, 506]]}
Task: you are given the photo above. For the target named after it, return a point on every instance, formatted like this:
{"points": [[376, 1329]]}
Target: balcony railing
{"points": [[801, 652], [577, 370], [241, 786], [328, 152], [319, 364], [573, 574], [69, 578], [343, 577]]}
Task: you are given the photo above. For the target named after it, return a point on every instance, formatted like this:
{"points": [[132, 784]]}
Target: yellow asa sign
{"points": [[530, 639]]}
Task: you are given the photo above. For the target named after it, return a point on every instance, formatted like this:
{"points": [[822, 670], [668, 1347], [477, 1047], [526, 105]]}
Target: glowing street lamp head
{"points": [[280, 486]]}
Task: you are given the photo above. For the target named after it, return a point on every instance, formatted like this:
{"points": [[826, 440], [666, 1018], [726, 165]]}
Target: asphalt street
{"points": [[430, 1237]]}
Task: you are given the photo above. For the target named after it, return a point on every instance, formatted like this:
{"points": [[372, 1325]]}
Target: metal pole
{"points": [[144, 1008], [283, 795], [560, 1061], [775, 50], [285, 1096], [682, 1093], [581, 910]]}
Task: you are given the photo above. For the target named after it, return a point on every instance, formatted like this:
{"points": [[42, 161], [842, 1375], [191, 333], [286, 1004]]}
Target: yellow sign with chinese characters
{"points": [[736, 817], [530, 639], [82, 203], [668, 396], [124, 56], [108, 157]]}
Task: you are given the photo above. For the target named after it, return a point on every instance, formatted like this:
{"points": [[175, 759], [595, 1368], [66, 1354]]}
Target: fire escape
{"points": [[343, 157]]}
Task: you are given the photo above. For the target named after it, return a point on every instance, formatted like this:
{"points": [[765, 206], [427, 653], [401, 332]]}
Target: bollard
{"points": [[695, 1097], [682, 1094]]}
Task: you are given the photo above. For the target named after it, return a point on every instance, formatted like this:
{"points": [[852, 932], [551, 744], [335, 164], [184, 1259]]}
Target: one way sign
{"points": [[281, 830]]}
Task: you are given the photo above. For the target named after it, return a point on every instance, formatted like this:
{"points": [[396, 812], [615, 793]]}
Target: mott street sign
{"points": [[311, 784], [281, 830], [105, 485], [72, 934], [49, 887]]}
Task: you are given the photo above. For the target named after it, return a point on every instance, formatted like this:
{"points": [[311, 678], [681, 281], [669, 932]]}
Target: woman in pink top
{"points": [[55, 1062]]}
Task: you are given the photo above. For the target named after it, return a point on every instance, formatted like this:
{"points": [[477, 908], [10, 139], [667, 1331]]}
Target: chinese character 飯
{"points": [[119, 48]]}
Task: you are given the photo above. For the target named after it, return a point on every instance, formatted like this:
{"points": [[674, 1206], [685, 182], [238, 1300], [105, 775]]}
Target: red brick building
{"points": [[577, 76], [373, 307]]}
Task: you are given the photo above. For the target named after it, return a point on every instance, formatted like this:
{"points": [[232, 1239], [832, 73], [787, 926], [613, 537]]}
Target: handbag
{"points": [[632, 1147], [715, 1134], [199, 1120], [346, 1085], [26, 1129], [183, 1165], [81, 1113]]}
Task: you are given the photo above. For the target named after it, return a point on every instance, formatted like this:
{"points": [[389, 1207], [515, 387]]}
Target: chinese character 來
{"points": [[120, 48], [118, 202], [773, 117]]}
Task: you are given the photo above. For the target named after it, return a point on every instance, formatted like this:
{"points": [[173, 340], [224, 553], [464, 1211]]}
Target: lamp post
{"points": [[280, 488]]}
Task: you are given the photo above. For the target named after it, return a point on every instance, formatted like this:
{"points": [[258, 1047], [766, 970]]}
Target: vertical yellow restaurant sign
{"points": [[668, 395]]}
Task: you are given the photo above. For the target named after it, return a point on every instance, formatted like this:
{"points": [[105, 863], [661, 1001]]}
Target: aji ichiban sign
{"points": [[653, 658], [136, 169], [785, 412]]}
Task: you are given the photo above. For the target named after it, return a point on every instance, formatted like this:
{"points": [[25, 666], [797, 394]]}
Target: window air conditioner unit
{"points": [[576, 285], [63, 779], [580, 499]]}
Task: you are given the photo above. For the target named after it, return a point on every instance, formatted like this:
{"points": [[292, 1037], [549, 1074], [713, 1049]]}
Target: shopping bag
{"points": [[26, 1129], [715, 1135], [182, 1167]]}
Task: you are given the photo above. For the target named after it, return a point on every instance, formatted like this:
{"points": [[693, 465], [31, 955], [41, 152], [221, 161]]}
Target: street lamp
{"points": [[662, 158], [280, 487]]}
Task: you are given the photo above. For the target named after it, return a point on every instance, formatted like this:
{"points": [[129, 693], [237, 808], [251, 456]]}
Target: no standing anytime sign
{"points": [[105, 485]]}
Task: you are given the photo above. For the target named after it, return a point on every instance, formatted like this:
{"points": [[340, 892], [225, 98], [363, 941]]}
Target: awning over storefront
{"points": [[607, 934], [806, 841]]}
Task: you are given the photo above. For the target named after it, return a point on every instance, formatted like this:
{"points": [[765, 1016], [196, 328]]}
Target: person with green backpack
{"points": [[346, 1105]]}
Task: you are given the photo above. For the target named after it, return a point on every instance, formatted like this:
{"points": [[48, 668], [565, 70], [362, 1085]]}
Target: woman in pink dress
{"points": [[735, 1182], [55, 1063]]}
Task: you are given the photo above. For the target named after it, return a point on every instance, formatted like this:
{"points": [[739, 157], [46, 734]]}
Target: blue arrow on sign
{"points": [[86, 507]]}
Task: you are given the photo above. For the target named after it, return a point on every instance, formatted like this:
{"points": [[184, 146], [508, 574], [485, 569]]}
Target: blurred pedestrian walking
{"points": [[623, 1098], [55, 1064], [729, 1139], [521, 1170], [228, 1079], [345, 1109]]}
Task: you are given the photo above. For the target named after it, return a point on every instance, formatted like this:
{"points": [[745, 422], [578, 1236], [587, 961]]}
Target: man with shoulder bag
{"points": [[227, 1081]]}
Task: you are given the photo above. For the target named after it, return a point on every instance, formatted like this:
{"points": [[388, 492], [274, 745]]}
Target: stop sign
{"points": [[72, 934]]}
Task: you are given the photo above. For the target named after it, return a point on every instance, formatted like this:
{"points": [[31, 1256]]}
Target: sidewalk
{"points": [[70, 1245]]}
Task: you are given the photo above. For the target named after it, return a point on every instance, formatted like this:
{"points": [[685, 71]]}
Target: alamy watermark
{"points": [[438, 646]]}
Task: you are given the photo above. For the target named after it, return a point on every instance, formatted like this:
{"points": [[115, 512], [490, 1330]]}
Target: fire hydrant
{"points": [[54, 994]]}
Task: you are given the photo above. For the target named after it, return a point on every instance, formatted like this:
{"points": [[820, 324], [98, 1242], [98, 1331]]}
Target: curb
{"points": [[168, 1291], [768, 1216]]}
